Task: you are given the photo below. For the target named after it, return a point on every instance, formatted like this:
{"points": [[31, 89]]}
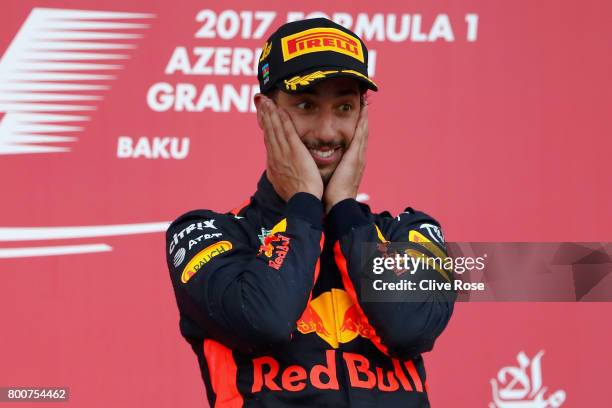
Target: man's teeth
{"points": [[323, 154]]}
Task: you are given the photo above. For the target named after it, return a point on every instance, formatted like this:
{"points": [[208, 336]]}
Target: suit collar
{"points": [[268, 199]]}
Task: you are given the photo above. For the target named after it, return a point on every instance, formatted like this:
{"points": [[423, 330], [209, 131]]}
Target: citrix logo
{"points": [[187, 230]]}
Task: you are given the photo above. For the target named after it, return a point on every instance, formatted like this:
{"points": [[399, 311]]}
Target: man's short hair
{"points": [[363, 95]]}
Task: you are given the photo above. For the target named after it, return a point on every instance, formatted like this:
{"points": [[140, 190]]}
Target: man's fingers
{"points": [[266, 133], [356, 149], [299, 151], [281, 136], [362, 124], [361, 133], [270, 136], [288, 126], [267, 125]]}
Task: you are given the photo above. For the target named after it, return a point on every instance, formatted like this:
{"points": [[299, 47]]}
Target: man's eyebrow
{"points": [[348, 91], [307, 92], [342, 92]]}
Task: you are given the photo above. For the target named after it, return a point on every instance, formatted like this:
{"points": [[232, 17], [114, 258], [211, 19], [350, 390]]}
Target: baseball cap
{"points": [[302, 53]]}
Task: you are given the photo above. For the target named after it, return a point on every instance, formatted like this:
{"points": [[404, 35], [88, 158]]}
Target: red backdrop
{"points": [[492, 116]]}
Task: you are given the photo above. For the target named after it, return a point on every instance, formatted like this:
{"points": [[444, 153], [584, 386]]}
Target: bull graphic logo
{"points": [[267, 237], [335, 318], [267, 248]]}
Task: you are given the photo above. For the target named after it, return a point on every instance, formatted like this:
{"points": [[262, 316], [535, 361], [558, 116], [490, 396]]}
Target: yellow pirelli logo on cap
{"points": [[321, 39]]}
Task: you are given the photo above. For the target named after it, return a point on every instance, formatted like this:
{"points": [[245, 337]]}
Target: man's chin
{"points": [[326, 175]]}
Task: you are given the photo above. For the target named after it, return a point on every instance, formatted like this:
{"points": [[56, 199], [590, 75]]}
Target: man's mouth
{"points": [[326, 155]]}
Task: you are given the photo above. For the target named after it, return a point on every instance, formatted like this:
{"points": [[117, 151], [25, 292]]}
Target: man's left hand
{"points": [[345, 181]]}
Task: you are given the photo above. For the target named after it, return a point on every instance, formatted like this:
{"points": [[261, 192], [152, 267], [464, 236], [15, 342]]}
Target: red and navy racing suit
{"points": [[270, 301]]}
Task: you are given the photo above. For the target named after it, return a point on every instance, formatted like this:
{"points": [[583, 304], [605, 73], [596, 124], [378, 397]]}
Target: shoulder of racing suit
{"points": [[235, 289], [409, 225], [193, 239], [198, 229]]}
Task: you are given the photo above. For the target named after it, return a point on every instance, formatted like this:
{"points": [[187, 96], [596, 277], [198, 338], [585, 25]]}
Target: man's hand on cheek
{"points": [[290, 167], [345, 181]]}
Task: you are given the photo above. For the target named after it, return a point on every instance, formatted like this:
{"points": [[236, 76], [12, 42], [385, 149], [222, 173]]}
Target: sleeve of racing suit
{"points": [[247, 299], [405, 328]]}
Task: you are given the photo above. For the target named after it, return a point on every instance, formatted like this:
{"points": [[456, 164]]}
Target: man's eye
{"points": [[304, 105], [346, 107]]}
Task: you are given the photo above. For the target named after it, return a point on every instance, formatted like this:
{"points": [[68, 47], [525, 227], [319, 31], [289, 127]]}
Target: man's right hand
{"points": [[290, 167]]}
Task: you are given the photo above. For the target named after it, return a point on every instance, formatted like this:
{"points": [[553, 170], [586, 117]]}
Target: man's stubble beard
{"points": [[326, 175]]}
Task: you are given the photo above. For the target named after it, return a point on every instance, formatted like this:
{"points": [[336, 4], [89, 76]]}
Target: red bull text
{"points": [[267, 375]]}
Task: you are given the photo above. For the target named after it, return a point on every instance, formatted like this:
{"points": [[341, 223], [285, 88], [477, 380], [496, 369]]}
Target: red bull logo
{"points": [[335, 318], [281, 249], [311, 322], [267, 375], [272, 239], [275, 247], [267, 248], [354, 321]]}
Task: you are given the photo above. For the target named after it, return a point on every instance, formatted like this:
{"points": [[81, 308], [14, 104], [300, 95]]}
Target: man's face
{"points": [[325, 117]]}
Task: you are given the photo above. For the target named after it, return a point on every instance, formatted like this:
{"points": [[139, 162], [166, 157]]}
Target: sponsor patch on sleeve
{"points": [[203, 257], [429, 236], [427, 240], [206, 226], [426, 233], [275, 245]]}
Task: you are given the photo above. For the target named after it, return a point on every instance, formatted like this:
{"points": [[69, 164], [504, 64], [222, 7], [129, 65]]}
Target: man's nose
{"points": [[326, 129]]}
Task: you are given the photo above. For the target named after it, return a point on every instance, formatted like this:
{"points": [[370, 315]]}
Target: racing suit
{"points": [[270, 301]]}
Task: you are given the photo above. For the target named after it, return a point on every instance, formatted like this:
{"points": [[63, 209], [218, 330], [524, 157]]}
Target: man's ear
{"points": [[257, 100]]}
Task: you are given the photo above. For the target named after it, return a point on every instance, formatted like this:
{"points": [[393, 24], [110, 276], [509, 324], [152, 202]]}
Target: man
{"points": [[270, 294]]}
